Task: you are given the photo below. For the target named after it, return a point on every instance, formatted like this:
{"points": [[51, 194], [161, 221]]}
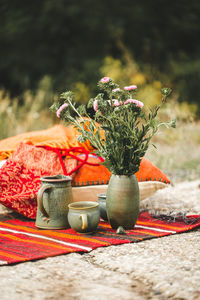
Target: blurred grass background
{"points": [[50, 46]]}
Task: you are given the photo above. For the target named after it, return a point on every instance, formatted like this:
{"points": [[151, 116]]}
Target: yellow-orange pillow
{"points": [[149, 172], [98, 175]]}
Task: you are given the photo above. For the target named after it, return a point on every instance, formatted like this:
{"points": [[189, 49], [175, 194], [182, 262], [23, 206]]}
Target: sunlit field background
{"points": [[46, 51]]}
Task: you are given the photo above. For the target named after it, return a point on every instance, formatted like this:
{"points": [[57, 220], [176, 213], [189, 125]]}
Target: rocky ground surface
{"points": [[161, 268]]}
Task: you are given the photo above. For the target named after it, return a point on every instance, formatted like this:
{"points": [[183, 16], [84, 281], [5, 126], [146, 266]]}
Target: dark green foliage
{"points": [[68, 39]]}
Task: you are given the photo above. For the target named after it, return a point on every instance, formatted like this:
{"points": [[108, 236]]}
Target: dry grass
{"points": [[34, 114], [178, 151]]}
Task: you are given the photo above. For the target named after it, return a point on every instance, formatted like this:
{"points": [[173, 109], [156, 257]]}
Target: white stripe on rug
{"points": [[46, 238], [156, 229]]}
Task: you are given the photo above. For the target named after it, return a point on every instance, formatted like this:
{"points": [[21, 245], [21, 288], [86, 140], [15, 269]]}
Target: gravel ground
{"points": [[161, 268]]}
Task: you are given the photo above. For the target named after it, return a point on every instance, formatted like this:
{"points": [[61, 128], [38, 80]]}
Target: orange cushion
{"points": [[149, 172], [58, 136], [94, 175]]}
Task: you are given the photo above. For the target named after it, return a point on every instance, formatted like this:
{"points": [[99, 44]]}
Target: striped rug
{"points": [[21, 241]]}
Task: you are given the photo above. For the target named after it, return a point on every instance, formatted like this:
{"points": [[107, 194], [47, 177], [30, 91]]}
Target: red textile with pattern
{"points": [[20, 177], [21, 241]]}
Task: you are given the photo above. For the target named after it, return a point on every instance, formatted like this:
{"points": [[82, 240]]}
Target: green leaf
{"points": [[90, 103], [106, 164]]}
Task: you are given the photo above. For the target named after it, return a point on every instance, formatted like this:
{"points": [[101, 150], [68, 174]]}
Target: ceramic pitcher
{"points": [[53, 199]]}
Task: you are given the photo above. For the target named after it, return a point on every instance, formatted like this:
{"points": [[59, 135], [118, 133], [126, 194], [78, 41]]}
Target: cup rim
{"points": [[102, 196], [88, 205]]}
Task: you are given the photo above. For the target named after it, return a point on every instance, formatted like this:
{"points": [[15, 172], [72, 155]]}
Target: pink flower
{"points": [[61, 109], [130, 101], [130, 87], [137, 102], [105, 79], [95, 105], [116, 102], [116, 90], [140, 104]]}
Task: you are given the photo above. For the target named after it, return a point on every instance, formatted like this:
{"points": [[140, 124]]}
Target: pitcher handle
{"points": [[84, 221], [40, 201]]}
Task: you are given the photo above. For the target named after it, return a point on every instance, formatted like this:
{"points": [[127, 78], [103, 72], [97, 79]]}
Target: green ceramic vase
{"points": [[122, 202]]}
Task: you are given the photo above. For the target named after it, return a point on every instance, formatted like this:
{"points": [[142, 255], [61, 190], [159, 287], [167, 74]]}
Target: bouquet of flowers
{"points": [[115, 123]]}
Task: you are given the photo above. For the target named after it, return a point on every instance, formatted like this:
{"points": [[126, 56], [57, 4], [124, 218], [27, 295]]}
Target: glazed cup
{"points": [[102, 206], [84, 216]]}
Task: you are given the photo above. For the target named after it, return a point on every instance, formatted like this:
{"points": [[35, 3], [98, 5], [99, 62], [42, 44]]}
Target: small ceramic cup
{"points": [[102, 206], [84, 216]]}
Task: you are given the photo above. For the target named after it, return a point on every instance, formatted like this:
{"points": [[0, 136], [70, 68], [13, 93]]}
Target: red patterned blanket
{"points": [[21, 241]]}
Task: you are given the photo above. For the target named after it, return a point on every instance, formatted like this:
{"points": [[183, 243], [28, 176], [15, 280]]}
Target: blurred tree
{"points": [[68, 40]]}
